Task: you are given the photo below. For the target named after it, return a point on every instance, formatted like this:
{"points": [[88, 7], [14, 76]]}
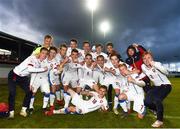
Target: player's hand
{"points": [[66, 60], [135, 45], [151, 63], [135, 71], [112, 71], [31, 88], [94, 64], [45, 69], [130, 79]]}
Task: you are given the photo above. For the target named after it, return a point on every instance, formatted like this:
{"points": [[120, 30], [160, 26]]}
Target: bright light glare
{"points": [[105, 26], [92, 4]]}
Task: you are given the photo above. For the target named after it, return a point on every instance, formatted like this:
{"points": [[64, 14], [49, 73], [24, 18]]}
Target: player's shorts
{"points": [[138, 100], [78, 102], [108, 81], [70, 79], [54, 80], [43, 83], [84, 82]]}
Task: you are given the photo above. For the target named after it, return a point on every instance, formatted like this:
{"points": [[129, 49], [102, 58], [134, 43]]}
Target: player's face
{"points": [[109, 49], [63, 51], [100, 62], [102, 92], [74, 55], [73, 45], [52, 54], [147, 59], [123, 70], [43, 54], [114, 60], [99, 49], [47, 42], [131, 52], [86, 47], [88, 60]]}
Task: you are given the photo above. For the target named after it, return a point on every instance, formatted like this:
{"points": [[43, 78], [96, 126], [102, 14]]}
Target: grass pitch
{"points": [[92, 120]]}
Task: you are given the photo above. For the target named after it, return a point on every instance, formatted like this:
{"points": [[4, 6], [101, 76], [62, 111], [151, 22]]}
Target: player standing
{"points": [[162, 86]]}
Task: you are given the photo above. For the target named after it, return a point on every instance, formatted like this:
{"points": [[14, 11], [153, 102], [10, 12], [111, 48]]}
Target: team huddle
{"points": [[82, 80]]}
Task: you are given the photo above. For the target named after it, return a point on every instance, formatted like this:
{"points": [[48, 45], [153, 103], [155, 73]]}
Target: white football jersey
{"points": [[95, 102], [95, 55], [68, 53], [28, 66], [86, 73], [126, 86], [157, 74]]}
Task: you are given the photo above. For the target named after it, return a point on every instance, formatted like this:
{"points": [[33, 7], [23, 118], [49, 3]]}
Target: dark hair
{"points": [[53, 48], [88, 54], [63, 45], [103, 87], [48, 37], [131, 47], [110, 44], [44, 49], [74, 40], [114, 54], [100, 56], [99, 45], [74, 50], [86, 42]]}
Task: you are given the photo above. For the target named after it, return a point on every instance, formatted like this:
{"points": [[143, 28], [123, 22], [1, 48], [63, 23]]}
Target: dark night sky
{"points": [[153, 23]]}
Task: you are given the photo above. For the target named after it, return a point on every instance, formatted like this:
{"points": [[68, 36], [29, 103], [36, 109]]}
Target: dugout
{"points": [[13, 50]]}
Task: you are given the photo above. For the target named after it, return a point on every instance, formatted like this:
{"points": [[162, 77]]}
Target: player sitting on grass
{"points": [[97, 101]]}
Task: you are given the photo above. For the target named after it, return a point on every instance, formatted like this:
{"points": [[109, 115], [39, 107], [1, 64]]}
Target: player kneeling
{"points": [[97, 101], [131, 90]]}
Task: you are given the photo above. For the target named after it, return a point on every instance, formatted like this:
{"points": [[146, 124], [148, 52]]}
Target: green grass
{"points": [[91, 120]]}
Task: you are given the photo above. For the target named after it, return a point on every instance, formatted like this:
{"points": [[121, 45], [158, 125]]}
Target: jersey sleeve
{"points": [[161, 68]]}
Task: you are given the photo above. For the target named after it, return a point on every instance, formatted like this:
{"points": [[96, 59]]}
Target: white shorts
{"points": [[70, 79], [54, 81], [78, 102], [108, 81], [43, 83], [84, 82], [138, 101]]}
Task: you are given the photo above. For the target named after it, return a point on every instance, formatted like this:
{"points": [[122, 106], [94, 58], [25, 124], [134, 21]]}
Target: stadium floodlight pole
{"points": [[92, 5], [105, 27]]}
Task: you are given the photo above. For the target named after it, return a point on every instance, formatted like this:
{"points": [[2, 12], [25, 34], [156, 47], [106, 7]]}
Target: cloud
{"points": [[155, 24]]}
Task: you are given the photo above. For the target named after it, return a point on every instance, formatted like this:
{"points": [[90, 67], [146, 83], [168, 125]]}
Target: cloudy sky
{"points": [[153, 23]]}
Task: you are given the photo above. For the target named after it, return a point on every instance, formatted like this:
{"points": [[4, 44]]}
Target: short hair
{"points": [[44, 49], [86, 42], [88, 54], [122, 65], [146, 53], [74, 50], [110, 44], [48, 37], [53, 48], [63, 45], [73, 40], [99, 45], [100, 56], [103, 87], [114, 54]]}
